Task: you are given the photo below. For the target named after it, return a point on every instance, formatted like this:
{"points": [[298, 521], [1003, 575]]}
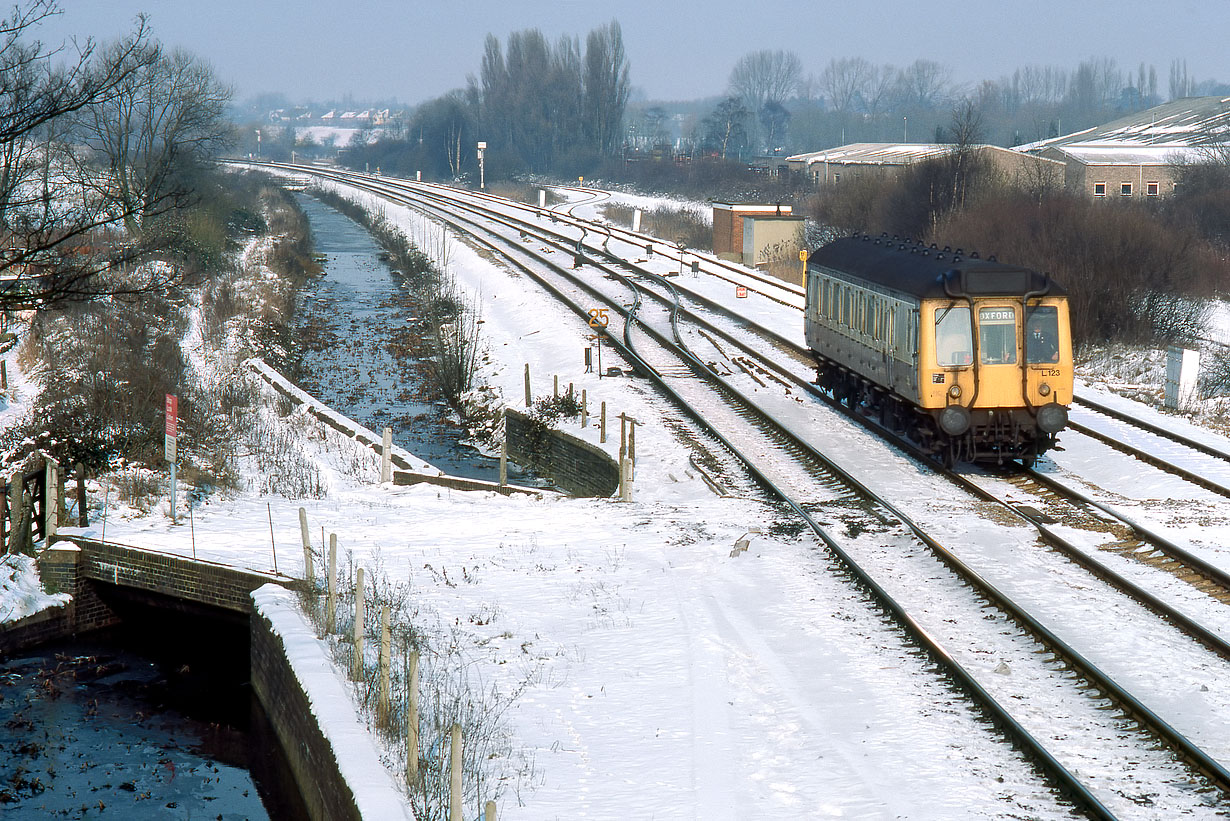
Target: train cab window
{"points": [[954, 340], [1042, 334], [997, 335]]}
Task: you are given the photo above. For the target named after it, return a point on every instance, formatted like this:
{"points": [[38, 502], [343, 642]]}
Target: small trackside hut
{"points": [[970, 358]]}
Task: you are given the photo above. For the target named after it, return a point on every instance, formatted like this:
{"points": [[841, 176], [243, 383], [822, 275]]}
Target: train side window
{"points": [[954, 337], [1042, 334], [997, 335]]}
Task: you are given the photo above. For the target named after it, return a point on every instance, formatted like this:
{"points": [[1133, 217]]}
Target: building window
{"points": [[836, 178], [1125, 189], [1151, 189], [1099, 189]]}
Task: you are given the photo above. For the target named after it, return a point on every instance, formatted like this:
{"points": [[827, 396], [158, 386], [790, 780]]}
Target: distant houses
{"points": [[371, 117], [1135, 156]]}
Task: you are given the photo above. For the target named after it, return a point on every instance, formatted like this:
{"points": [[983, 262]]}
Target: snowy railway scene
{"points": [[541, 415]]}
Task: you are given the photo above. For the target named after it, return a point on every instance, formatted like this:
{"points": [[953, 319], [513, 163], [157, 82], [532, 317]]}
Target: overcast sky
{"points": [[412, 51]]}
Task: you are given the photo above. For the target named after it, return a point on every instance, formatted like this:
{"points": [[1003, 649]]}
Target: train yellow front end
{"points": [[996, 374]]}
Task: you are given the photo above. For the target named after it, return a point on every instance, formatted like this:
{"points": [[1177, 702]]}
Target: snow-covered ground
{"points": [[662, 674]]}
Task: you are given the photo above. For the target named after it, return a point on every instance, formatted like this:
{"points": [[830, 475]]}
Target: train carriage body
{"points": [[970, 358]]}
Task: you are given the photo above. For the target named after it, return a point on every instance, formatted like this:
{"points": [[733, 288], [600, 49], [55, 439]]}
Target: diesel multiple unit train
{"points": [[969, 358]]}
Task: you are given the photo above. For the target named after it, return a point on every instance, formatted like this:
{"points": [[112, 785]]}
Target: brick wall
{"points": [[42, 627], [208, 583], [572, 464], [308, 753]]}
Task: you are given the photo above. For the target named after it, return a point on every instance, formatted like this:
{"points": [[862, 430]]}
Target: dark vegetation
{"points": [[685, 224], [1135, 271], [104, 366]]}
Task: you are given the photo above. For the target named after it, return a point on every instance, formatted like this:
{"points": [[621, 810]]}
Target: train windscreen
{"points": [[997, 335], [1042, 334], [954, 340]]}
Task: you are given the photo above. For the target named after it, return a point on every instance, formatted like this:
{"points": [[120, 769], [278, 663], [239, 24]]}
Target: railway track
{"points": [[823, 494]]}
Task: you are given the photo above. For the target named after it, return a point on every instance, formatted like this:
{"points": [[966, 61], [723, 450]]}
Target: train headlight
{"points": [[953, 420], [1053, 417], [955, 391], [1044, 389]]}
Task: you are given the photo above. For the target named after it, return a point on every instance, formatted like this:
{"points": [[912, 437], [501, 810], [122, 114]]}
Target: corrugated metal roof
{"points": [[1126, 154], [1177, 125], [875, 153]]}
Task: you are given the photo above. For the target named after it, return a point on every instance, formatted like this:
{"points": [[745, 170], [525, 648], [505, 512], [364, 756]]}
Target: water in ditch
{"points": [[116, 727], [352, 325]]}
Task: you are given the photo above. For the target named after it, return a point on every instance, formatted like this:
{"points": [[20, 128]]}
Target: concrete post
{"points": [[61, 498], [24, 541], [529, 398], [307, 547], [51, 499], [15, 496], [631, 448], [4, 375], [15, 490], [412, 721], [356, 660], [584, 409], [602, 425], [83, 518], [503, 463], [331, 586], [623, 437], [386, 456], [556, 390], [454, 775], [382, 694], [489, 811], [1182, 377]]}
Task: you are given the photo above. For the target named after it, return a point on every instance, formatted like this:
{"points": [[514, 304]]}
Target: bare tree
{"points": [[879, 88], [49, 214], [1180, 83], [766, 76], [165, 116], [726, 127], [844, 81], [923, 84], [606, 86]]}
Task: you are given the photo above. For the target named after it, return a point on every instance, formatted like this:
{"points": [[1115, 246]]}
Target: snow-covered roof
{"points": [[875, 153], [1127, 154], [886, 153], [1174, 126]]}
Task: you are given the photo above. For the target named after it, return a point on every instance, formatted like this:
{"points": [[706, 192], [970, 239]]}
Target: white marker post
{"points": [[168, 442]]}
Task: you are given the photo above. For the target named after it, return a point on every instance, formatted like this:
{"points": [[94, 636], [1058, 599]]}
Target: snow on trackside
{"points": [[662, 674]]}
